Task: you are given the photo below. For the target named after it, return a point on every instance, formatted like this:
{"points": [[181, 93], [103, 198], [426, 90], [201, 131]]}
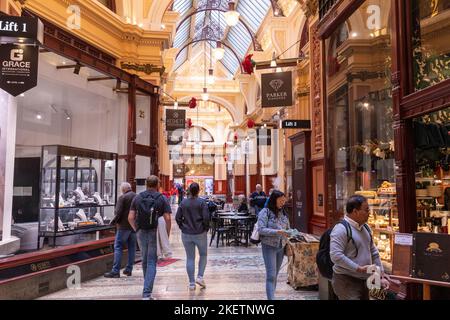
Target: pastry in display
{"points": [[84, 224], [367, 193], [387, 188]]}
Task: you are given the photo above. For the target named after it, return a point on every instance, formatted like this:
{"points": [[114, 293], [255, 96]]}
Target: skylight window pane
{"points": [[254, 12], [240, 39], [182, 34], [182, 57], [182, 6]]}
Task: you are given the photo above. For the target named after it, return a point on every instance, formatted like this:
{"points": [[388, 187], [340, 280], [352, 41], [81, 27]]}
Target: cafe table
{"points": [[235, 221]]}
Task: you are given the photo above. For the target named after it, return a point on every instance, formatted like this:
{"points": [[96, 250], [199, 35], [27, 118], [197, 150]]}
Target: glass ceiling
{"points": [[211, 24]]}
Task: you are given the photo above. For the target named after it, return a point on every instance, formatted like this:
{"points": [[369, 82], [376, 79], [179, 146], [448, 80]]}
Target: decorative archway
{"points": [[223, 42], [236, 114]]}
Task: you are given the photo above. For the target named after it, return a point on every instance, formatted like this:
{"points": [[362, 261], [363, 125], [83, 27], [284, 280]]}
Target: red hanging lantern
{"points": [[248, 64], [193, 103], [189, 123], [235, 138], [225, 158], [250, 123]]}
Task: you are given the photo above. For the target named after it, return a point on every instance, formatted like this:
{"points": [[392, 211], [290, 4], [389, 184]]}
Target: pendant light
{"points": [[211, 79], [205, 95], [219, 51], [232, 16]]}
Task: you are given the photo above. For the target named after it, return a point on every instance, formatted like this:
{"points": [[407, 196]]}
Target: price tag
{"points": [[403, 239]]}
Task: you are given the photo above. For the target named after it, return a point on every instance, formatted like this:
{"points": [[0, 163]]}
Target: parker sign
{"points": [[276, 89], [19, 68]]}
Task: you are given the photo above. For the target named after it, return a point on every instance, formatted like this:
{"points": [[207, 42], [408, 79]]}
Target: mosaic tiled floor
{"points": [[233, 273]]}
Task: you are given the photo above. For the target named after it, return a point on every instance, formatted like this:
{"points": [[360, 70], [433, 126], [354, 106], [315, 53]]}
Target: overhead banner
{"points": [[29, 29], [264, 137], [19, 68], [175, 119], [276, 89]]}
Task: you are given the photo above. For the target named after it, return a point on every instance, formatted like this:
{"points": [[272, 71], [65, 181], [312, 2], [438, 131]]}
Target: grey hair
{"points": [[125, 186], [258, 186]]}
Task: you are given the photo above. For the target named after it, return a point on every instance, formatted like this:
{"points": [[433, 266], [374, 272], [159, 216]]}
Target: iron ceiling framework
{"points": [[204, 20]]}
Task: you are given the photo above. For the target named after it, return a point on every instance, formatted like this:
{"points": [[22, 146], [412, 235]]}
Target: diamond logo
{"points": [[175, 115], [276, 84]]}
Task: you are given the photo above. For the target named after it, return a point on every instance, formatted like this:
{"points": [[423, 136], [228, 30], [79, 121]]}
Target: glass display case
{"points": [[78, 191]]}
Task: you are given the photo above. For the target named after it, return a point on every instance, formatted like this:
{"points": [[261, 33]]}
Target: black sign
{"points": [[19, 68], [431, 256], [264, 137], [28, 29], [276, 89], [296, 124], [175, 119]]}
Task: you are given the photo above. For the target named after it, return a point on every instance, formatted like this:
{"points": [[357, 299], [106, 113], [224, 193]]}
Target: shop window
{"points": [[110, 4], [431, 42], [432, 163], [360, 136]]}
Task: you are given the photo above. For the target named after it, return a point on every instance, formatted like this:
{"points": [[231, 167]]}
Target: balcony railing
{"points": [[325, 6]]}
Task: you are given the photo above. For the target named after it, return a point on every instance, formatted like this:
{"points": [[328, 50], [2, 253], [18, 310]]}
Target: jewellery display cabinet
{"points": [[78, 191]]}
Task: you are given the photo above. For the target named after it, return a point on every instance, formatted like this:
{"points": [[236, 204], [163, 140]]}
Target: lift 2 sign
{"points": [[276, 89]]}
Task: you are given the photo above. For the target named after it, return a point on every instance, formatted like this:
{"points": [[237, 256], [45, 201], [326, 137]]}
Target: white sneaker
{"points": [[149, 298], [201, 282], [192, 287]]}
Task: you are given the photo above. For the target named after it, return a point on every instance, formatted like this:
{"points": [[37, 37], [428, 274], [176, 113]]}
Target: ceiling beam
{"points": [[100, 78]]}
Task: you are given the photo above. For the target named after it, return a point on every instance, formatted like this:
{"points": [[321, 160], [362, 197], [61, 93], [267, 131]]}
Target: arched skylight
{"points": [[253, 12]]}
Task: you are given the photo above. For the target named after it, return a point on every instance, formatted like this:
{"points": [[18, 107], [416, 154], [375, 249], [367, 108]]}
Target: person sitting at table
{"points": [[243, 207]]}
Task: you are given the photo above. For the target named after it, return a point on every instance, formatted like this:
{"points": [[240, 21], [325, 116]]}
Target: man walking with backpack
{"points": [[145, 210], [352, 252]]}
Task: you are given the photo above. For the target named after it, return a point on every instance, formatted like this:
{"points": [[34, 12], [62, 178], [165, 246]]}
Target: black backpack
{"points": [[323, 258], [147, 212]]}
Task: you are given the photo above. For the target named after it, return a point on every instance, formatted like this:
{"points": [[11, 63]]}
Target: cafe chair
{"points": [[220, 230]]}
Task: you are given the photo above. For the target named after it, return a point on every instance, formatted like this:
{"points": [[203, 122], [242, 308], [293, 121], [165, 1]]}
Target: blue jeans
{"points": [[147, 244], [123, 237], [273, 259], [190, 241]]}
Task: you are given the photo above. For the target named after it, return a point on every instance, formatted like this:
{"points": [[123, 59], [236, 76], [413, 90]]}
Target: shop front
{"points": [[387, 85], [83, 129]]}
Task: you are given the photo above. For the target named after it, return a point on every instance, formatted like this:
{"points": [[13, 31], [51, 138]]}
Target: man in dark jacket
{"points": [[258, 199], [125, 234]]}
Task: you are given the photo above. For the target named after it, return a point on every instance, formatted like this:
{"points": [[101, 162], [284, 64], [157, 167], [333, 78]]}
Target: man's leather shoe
{"points": [[127, 273], [111, 275]]}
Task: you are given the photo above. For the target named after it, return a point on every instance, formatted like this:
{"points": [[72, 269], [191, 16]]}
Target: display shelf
{"points": [[75, 231], [81, 207], [425, 198], [381, 230], [82, 180]]}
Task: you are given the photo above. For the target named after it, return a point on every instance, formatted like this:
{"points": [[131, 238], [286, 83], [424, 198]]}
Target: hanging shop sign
{"points": [[276, 89], [264, 137], [174, 137], [18, 68], [431, 256], [19, 55], [175, 119], [296, 124], [26, 29]]}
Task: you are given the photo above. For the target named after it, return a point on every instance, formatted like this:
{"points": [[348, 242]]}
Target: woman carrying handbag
{"points": [[272, 227]]}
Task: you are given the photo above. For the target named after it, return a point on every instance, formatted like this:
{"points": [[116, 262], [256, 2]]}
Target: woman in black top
{"points": [[193, 219]]}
